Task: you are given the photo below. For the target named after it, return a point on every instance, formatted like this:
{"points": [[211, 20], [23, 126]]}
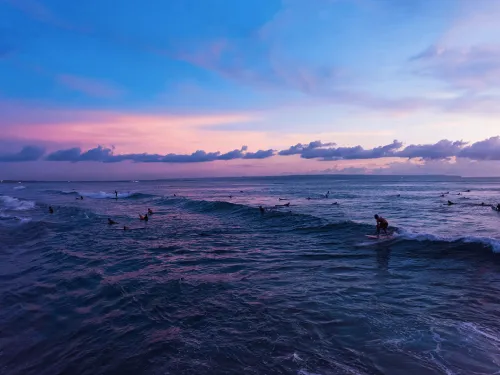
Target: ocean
{"points": [[209, 285]]}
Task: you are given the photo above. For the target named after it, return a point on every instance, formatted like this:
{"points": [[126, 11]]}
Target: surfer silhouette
{"points": [[382, 224]]}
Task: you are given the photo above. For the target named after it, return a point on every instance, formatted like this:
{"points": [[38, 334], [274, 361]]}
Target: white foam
{"points": [[471, 327], [22, 220], [14, 204], [19, 187]]}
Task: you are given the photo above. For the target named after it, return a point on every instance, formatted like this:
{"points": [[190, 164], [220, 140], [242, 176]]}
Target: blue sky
{"points": [[173, 77]]}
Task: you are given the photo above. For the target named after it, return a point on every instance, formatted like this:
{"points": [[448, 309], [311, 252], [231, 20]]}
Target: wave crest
{"points": [[14, 204]]}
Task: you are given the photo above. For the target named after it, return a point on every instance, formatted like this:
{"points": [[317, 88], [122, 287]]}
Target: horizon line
{"points": [[10, 181]]}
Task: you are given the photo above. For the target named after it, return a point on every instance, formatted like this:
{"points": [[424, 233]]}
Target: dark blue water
{"points": [[210, 286]]}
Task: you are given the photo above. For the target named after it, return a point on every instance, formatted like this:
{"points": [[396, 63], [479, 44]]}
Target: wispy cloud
{"points": [[38, 11], [474, 68], [89, 86]]}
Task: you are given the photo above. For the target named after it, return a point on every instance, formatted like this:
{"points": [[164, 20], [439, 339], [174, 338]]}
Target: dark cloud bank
{"points": [[488, 149]]}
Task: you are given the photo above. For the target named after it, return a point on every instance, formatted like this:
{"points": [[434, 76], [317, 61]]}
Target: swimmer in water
{"points": [[381, 224], [111, 222], [335, 203], [261, 209], [51, 210], [150, 212]]}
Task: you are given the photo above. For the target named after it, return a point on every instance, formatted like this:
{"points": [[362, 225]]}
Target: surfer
{"points": [[450, 203], [283, 205], [125, 227], [261, 209], [150, 212], [116, 194], [498, 207], [381, 224], [335, 203], [111, 222], [145, 217], [51, 210]]}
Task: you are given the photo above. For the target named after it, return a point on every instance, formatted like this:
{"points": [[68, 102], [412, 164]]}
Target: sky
{"points": [[197, 88]]}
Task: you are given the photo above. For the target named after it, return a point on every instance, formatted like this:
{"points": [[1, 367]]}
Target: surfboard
{"points": [[126, 230], [381, 237]]}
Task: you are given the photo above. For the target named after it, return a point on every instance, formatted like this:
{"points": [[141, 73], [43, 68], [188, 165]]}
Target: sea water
{"points": [[209, 285]]}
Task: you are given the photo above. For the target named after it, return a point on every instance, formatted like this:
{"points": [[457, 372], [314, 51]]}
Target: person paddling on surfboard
{"points": [[381, 224]]}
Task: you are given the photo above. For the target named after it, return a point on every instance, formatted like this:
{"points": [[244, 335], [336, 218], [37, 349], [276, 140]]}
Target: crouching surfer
{"points": [[382, 224]]}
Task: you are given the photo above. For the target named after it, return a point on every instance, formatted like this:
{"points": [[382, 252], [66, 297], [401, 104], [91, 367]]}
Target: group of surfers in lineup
{"points": [[382, 223]]}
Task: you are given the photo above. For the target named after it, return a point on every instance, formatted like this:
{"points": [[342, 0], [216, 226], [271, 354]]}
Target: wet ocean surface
{"points": [[210, 286]]}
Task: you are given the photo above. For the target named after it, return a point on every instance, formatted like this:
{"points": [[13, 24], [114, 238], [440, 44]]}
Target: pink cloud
{"points": [[130, 132]]}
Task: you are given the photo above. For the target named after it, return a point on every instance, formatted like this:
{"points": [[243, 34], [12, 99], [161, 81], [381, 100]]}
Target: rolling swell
{"points": [[285, 218], [102, 194], [309, 224]]}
